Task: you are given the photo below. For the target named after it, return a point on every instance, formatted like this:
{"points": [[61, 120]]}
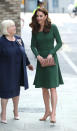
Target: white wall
{"points": [[63, 5]]}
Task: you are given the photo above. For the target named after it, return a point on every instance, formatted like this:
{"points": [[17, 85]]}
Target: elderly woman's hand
{"points": [[30, 67]]}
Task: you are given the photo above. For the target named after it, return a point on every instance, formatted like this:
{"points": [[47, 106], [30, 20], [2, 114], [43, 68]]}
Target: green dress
{"points": [[43, 44]]}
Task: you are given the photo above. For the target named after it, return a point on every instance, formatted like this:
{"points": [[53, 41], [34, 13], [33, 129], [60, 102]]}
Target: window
{"points": [[55, 3], [31, 5]]}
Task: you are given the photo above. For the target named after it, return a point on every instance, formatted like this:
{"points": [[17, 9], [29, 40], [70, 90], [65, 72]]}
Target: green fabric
{"points": [[43, 44]]}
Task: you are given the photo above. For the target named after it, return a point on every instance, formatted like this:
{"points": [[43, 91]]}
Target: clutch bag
{"points": [[49, 63]]}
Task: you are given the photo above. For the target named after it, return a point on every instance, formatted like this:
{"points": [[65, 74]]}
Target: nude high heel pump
{"points": [[45, 117]]}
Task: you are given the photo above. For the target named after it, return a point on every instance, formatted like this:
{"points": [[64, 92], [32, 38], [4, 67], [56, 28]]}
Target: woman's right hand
{"points": [[40, 59]]}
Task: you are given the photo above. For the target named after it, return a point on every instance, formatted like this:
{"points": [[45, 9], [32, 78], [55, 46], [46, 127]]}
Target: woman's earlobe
{"points": [[45, 17]]}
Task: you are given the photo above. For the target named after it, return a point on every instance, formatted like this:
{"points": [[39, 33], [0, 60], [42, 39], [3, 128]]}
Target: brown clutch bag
{"points": [[50, 63]]}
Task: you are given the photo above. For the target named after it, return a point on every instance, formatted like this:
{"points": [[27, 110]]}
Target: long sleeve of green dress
{"points": [[58, 40], [34, 45]]}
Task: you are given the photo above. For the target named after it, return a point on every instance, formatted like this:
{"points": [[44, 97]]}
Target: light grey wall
{"points": [[30, 5], [63, 6], [10, 9]]}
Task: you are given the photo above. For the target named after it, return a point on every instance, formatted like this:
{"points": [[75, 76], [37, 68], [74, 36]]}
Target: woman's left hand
{"points": [[49, 56], [30, 67]]}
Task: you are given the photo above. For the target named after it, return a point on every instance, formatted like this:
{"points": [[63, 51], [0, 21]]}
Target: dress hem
{"points": [[38, 86]]}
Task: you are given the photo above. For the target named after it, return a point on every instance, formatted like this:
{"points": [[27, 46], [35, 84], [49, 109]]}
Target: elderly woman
{"points": [[13, 62]]}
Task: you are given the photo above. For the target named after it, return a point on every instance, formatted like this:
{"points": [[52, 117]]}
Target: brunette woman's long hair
{"points": [[34, 24]]}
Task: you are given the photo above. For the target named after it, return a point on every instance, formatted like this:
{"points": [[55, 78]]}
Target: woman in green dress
{"points": [[42, 44]]}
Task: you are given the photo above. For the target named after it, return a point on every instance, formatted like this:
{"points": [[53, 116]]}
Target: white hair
{"points": [[5, 24]]}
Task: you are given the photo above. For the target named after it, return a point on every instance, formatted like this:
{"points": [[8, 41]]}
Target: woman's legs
{"points": [[15, 103], [4, 105], [46, 98], [3, 109], [53, 103]]}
